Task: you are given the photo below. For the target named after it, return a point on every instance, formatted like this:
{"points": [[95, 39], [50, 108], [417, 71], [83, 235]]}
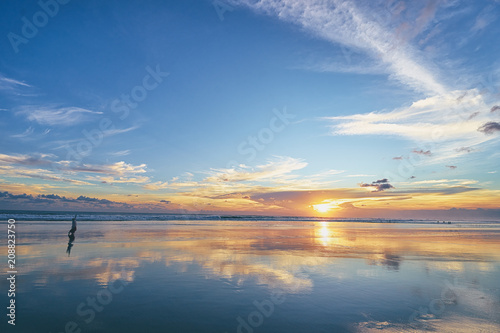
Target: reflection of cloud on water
{"points": [[272, 277], [479, 312], [114, 269], [475, 301], [274, 257], [390, 261], [276, 272], [451, 324]]}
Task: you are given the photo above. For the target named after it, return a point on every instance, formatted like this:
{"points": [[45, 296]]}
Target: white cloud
{"points": [[62, 116], [11, 84], [443, 124], [119, 180], [43, 174], [117, 169], [437, 118], [23, 159], [344, 23], [19, 165], [25, 134], [485, 18], [121, 153], [279, 168], [440, 182], [156, 186], [115, 131]]}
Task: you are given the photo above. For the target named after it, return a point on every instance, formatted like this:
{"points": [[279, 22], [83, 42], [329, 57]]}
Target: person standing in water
{"points": [[73, 226], [71, 235]]}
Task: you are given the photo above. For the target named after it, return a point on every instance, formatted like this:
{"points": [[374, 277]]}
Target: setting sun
{"points": [[322, 208]]}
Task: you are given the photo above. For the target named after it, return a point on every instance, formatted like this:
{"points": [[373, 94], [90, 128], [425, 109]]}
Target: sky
{"points": [[352, 109]]}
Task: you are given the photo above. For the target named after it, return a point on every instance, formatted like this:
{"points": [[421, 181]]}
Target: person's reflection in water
{"points": [[71, 235], [70, 243]]}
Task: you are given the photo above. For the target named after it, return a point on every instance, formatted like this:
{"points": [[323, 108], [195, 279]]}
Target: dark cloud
{"points": [[379, 185], [24, 160], [51, 196], [451, 166], [495, 108], [93, 200], [165, 201], [465, 150], [413, 177], [54, 198], [475, 114], [490, 127], [422, 152], [14, 196]]}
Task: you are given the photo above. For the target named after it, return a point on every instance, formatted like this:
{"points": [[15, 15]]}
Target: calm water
{"points": [[256, 276]]}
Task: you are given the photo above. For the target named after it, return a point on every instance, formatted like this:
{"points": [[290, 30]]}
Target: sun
{"points": [[322, 208]]}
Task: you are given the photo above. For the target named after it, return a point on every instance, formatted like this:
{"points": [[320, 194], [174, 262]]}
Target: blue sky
{"points": [[339, 96]]}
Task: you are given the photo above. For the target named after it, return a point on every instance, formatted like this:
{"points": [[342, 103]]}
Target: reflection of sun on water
{"points": [[324, 234]]}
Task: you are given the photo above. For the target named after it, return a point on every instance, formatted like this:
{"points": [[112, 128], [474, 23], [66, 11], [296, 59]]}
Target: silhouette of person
{"points": [[71, 235], [70, 243], [73, 226]]}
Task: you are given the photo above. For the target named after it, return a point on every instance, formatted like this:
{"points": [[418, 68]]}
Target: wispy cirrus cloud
{"points": [[115, 173], [119, 180], [24, 134], [121, 153], [441, 119], [55, 115], [279, 168], [115, 131], [43, 166], [119, 168], [422, 152], [443, 182], [26, 159], [484, 19], [344, 23], [38, 173], [278, 172], [155, 186], [447, 115], [9, 84]]}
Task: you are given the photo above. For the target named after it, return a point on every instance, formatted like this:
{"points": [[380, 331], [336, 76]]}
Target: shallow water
{"points": [[256, 276]]}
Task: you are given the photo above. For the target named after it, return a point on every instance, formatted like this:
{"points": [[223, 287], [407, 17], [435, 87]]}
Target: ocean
{"points": [[211, 273]]}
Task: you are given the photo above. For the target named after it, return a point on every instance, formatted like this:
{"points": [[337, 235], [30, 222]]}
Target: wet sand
{"points": [[259, 276]]}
